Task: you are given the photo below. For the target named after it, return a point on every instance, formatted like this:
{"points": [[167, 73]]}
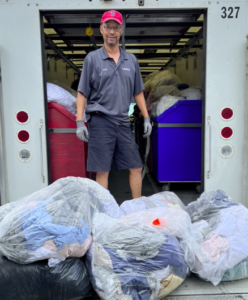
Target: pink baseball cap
{"points": [[112, 15]]}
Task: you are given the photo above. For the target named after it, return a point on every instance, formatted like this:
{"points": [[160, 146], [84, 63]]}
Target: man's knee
{"points": [[135, 171], [103, 174]]}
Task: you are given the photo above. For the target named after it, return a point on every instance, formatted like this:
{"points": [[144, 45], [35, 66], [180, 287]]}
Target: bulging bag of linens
{"points": [[166, 77], [55, 222], [170, 217], [146, 253], [223, 224], [58, 94]]}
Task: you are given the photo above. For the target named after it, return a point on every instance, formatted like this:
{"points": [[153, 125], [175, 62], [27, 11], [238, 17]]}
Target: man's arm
{"points": [[81, 102], [82, 131], [140, 101]]}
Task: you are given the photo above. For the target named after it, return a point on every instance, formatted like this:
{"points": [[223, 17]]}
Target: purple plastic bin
{"points": [[177, 143], [184, 111]]}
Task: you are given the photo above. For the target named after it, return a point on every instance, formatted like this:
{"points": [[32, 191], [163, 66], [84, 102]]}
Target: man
{"points": [[109, 79]]}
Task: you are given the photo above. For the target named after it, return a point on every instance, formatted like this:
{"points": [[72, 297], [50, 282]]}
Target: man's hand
{"points": [[82, 131], [147, 127]]}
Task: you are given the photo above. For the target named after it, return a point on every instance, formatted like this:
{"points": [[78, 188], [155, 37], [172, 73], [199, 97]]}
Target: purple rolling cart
{"points": [[177, 143]]}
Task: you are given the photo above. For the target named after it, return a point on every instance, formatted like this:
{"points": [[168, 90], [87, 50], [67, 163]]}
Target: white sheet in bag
{"points": [[59, 95]]}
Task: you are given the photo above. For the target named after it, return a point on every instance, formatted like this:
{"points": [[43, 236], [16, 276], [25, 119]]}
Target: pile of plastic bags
{"points": [[164, 89], [141, 250], [158, 107], [139, 256], [157, 79]]}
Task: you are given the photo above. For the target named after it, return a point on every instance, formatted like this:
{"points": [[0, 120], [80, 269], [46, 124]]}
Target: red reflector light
{"points": [[227, 113], [226, 132], [156, 222], [22, 117], [23, 136]]}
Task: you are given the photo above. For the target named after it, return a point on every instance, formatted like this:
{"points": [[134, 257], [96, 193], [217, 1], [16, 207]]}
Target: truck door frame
{"points": [[2, 151], [43, 43], [123, 11]]}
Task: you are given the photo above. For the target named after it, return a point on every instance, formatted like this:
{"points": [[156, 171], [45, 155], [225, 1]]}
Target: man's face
{"points": [[111, 32]]}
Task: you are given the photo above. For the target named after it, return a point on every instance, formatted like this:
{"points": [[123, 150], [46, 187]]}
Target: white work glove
{"points": [[147, 127], [82, 131]]}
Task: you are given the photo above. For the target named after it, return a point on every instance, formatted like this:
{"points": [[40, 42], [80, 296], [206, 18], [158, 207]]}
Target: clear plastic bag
{"points": [[150, 76], [152, 108], [240, 271], [166, 77], [55, 222], [165, 103], [6, 208], [162, 199], [148, 79], [161, 91], [208, 205], [192, 93], [223, 224], [131, 258], [146, 253], [61, 96], [65, 87]]}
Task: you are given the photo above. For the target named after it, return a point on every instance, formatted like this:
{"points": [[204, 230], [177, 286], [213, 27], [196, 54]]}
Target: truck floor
{"points": [[119, 187]]}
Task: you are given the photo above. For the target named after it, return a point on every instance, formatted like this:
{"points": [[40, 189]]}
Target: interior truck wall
{"points": [[22, 73], [245, 167], [191, 76], [2, 154], [60, 74]]}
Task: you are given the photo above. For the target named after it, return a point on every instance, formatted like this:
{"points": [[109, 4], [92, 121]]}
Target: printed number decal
{"points": [[229, 12]]}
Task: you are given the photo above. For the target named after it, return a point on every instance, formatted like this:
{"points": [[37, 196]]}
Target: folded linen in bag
{"points": [[54, 222], [130, 259]]}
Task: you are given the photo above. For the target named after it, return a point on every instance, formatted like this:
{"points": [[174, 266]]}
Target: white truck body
{"points": [[22, 89], [226, 85]]}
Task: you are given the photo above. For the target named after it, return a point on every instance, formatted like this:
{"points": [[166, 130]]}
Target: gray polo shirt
{"points": [[108, 87]]}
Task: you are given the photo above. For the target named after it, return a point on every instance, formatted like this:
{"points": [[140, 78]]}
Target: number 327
{"points": [[230, 12]]}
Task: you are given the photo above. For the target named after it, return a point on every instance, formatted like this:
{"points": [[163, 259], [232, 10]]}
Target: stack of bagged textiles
{"points": [[53, 223], [146, 253], [157, 79], [141, 250], [164, 89], [158, 107], [166, 101]]}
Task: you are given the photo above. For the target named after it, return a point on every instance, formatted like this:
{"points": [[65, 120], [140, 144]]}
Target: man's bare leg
{"points": [[102, 179], [135, 182]]}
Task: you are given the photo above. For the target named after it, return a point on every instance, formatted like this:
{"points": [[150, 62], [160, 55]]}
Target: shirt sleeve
{"points": [[138, 82], [84, 85]]}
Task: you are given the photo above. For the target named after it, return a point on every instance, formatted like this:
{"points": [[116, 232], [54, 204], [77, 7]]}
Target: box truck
{"points": [[203, 42]]}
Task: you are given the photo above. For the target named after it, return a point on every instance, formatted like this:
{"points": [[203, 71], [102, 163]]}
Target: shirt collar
{"points": [[124, 53], [104, 54]]}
